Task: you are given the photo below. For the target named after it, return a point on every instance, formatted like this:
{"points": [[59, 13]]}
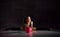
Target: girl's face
{"points": [[29, 19]]}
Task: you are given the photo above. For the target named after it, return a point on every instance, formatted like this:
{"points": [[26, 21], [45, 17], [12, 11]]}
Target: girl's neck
{"points": [[28, 23]]}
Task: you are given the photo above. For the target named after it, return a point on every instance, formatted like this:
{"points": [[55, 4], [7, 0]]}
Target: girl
{"points": [[28, 24]]}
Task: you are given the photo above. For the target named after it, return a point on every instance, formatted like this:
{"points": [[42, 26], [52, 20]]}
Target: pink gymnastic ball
{"points": [[28, 29]]}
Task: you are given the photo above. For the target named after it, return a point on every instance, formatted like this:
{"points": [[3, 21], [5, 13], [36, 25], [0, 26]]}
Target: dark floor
{"points": [[33, 34]]}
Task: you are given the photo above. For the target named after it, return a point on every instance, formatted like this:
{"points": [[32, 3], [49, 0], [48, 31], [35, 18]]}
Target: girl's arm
{"points": [[32, 24]]}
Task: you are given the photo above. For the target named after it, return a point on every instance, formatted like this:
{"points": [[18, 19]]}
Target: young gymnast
{"points": [[28, 25]]}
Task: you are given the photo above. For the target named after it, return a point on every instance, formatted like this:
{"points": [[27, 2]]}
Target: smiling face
{"points": [[28, 20]]}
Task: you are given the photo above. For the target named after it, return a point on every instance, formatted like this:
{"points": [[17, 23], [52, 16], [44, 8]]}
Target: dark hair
{"points": [[25, 19]]}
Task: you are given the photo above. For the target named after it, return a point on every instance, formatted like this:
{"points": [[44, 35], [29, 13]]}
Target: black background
{"points": [[42, 12]]}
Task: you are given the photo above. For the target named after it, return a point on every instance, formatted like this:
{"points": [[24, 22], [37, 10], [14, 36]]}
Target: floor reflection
{"points": [[32, 34], [29, 35]]}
